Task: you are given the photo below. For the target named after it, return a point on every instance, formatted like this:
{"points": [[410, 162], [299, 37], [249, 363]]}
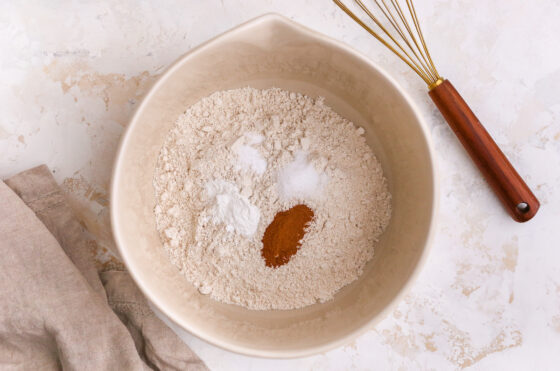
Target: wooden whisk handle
{"points": [[510, 188]]}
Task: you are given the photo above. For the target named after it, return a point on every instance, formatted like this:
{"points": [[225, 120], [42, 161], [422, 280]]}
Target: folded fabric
{"points": [[56, 311]]}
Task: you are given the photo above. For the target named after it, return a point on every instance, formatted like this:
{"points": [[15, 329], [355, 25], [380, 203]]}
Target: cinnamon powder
{"points": [[283, 236]]}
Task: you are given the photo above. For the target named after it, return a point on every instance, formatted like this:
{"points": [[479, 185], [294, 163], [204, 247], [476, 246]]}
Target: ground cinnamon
{"points": [[283, 236]]}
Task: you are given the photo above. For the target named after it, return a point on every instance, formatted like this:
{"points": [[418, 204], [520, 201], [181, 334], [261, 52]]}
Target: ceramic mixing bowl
{"points": [[265, 52]]}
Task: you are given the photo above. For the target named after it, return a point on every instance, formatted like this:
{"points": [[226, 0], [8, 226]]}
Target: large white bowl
{"points": [[274, 51]]}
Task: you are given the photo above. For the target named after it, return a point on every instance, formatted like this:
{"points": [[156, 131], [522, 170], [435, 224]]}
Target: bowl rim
{"points": [[243, 350]]}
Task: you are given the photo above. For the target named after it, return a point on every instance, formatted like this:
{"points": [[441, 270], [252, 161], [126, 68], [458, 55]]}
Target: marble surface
{"points": [[489, 295]]}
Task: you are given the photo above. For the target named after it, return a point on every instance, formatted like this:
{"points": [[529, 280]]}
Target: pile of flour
{"points": [[235, 159]]}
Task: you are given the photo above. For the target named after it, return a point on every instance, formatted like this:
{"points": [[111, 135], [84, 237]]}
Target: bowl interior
{"points": [[272, 51]]}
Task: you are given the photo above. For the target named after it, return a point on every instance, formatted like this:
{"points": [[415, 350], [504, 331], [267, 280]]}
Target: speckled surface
{"points": [[489, 295]]}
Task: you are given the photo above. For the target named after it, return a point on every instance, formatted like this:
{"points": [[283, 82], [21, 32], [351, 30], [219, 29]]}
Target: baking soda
{"points": [[231, 208]]}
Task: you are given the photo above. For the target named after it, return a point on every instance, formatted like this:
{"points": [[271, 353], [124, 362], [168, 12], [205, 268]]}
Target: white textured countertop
{"points": [[489, 295]]}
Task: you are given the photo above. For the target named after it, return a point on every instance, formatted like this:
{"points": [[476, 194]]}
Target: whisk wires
{"points": [[403, 36]]}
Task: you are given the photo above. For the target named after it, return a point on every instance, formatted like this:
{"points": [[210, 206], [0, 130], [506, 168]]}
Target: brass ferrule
{"points": [[436, 83]]}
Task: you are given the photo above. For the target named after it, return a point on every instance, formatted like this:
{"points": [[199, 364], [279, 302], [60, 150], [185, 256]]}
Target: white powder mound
{"points": [[250, 157], [231, 208], [214, 201], [299, 179]]}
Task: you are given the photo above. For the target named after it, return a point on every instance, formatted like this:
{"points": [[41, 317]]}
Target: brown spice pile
{"points": [[283, 236]]}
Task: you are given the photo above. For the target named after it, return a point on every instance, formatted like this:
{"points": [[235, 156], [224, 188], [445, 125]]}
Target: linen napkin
{"points": [[56, 311]]}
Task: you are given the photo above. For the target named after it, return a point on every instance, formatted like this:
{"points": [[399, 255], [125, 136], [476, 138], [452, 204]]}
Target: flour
{"points": [[235, 159]]}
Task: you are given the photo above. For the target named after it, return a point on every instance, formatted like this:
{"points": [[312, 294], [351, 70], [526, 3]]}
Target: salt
{"points": [[300, 179]]}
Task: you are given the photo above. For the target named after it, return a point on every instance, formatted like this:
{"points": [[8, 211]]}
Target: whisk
{"points": [[400, 32]]}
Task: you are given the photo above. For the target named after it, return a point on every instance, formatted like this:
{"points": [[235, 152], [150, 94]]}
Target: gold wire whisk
{"points": [[408, 43], [403, 36]]}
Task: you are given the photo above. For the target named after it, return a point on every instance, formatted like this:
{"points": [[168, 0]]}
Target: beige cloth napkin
{"points": [[56, 311]]}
